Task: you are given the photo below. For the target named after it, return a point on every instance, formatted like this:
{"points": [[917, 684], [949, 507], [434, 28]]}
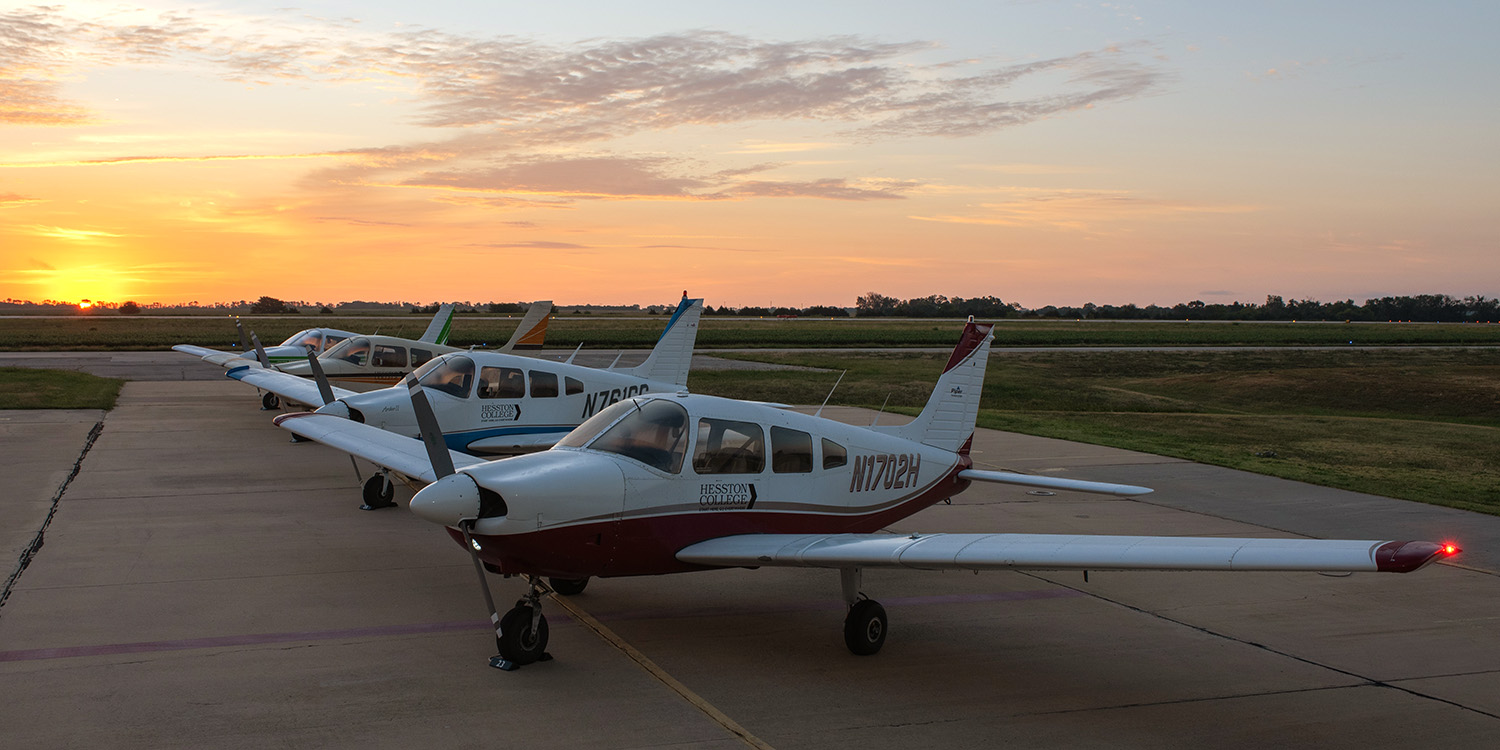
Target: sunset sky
{"points": [[758, 153]]}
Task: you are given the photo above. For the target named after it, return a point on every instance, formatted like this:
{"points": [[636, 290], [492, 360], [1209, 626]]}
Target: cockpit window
{"points": [[791, 451], [655, 435], [501, 382], [355, 351], [729, 447], [451, 375], [582, 434]]}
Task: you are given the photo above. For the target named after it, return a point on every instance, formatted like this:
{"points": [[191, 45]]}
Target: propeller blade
{"points": [[324, 389], [244, 342], [260, 351], [432, 435], [467, 527]]}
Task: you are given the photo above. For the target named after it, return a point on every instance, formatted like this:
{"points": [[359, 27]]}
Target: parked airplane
{"points": [[315, 340], [493, 403], [364, 361], [674, 483]]}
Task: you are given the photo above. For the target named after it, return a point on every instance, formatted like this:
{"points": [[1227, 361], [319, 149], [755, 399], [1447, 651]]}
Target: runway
{"points": [[205, 582]]}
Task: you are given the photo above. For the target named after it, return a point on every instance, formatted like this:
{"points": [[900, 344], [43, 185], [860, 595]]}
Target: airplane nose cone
{"points": [[448, 500], [337, 409]]}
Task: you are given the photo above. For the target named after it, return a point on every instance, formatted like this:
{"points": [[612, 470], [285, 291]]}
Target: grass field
{"points": [[1416, 424], [604, 332], [24, 388]]}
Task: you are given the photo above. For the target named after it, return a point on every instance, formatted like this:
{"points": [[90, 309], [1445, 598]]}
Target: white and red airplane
{"points": [[675, 483], [490, 403]]}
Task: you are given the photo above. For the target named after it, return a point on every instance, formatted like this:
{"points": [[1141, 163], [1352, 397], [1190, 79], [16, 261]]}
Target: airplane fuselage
{"points": [[579, 511]]}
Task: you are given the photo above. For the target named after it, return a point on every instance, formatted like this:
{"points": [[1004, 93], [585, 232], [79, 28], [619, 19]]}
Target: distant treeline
{"points": [[1431, 308], [1427, 308]]}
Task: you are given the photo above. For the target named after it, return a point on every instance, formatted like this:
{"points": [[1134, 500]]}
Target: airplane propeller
{"points": [[525, 624], [244, 342], [325, 389]]}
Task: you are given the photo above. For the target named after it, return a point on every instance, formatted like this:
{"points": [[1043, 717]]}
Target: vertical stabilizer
{"points": [[532, 331], [441, 325], [947, 421], [672, 356]]}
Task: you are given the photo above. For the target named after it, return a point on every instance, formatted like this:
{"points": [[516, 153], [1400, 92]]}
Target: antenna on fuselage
{"points": [[882, 410], [574, 354], [617, 360], [830, 392]]}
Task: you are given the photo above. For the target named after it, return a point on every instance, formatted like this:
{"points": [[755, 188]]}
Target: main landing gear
{"points": [[378, 492], [269, 401], [865, 626], [522, 636]]}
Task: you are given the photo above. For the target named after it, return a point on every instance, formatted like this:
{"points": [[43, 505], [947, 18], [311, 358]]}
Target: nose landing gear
{"points": [[523, 631]]}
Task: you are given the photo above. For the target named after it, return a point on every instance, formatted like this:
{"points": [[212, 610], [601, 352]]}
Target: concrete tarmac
{"points": [[205, 582]]}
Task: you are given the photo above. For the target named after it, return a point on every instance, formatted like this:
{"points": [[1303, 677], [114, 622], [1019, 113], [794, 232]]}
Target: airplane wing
{"points": [[1053, 483], [222, 359], [398, 453], [1062, 552], [286, 385]]}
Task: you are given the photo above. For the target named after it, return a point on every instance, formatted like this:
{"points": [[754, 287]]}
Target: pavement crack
{"points": [[29, 553], [1207, 631]]}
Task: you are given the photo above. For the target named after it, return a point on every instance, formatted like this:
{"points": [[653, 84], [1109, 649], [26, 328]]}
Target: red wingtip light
{"points": [[1449, 548]]}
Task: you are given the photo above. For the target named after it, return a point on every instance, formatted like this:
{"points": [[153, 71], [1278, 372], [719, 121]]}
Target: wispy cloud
{"points": [[1081, 209]]}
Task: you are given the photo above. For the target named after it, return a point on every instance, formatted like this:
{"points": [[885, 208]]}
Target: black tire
{"points": [[865, 627], [377, 493], [568, 586], [518, 645], [269, 401]]}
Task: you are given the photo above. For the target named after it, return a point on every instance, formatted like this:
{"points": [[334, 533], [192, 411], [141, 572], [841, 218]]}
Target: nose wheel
{"points": [[378, 492], [523, 632]]}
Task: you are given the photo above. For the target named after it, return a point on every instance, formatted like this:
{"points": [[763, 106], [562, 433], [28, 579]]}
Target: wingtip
{"points": [[1405, 557]]}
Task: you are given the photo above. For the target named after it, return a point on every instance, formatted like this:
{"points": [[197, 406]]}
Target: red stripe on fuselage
{"points": [[648, 546]]}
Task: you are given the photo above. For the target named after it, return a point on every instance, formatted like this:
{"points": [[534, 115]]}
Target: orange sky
{"points": [[1040, 153]]}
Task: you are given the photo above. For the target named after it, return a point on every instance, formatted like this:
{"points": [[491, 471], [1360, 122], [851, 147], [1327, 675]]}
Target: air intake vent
{"points": [[356, 414], [491, 505]]}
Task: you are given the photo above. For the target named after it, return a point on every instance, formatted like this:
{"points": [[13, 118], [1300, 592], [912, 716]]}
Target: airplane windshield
{"points": [[452, 375], [351, 350], [308, 337], [582, 434], [654, 434]]}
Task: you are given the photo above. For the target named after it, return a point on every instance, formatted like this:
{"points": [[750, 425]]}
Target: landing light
{"points": [[475, 544]]}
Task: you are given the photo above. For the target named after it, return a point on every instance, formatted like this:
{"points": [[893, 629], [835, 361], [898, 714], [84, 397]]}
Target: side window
{"points": [[331, 340], [834, 454], [357, 352], [419, 357], [501, 382], [574, 385], [791, 451], [389, 356], [543, 384], [729, 447]]}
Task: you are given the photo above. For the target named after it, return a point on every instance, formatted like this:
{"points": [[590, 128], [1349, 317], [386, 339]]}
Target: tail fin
{"points": [[672, 357], [441, 325], [947, 421], [533, 328]]}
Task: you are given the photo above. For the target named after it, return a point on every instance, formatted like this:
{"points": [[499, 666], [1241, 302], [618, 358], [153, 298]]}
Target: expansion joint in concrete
{"points": [[29, 553]]}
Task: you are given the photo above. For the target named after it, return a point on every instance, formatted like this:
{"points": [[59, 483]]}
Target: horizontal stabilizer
{"points": [[1062, 552], [401, 454], [1053, 483], [289, 387]]}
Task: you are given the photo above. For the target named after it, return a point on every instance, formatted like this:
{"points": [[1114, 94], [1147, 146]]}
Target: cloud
{"points": [[1081, 209], [30, 42], [12, 200], [595, 177], [832, 189], [532, 245]]}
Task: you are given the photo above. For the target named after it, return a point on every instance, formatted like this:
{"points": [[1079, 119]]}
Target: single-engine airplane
{"points": [[675, 483], [363, 362], [312, 340], [491, 403]]}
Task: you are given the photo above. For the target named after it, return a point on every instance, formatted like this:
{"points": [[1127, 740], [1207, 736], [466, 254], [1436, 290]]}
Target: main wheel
{"points": [[269, 401], [865, 627], [519, 645], [377, 493], [568, 586]]}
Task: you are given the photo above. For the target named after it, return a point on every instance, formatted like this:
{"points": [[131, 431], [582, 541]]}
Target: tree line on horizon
{"points": [[1426, 308]]}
